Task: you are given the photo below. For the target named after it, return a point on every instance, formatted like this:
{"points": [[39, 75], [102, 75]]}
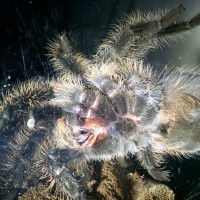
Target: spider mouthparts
{"points": [[99, 131], [95, 122], [90, 141]]}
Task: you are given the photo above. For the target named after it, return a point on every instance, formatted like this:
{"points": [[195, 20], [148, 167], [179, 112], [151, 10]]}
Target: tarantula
{"points": [[111, 105]]}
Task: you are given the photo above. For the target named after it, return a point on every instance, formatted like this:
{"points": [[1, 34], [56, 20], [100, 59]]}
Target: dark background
{"points": [[27, 25]]}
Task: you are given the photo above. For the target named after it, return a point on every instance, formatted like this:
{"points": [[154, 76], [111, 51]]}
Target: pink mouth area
{"points": [[98, 131]]}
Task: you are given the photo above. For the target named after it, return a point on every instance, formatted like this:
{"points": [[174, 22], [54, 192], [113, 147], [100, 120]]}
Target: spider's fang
{"points": [[98, 133]]}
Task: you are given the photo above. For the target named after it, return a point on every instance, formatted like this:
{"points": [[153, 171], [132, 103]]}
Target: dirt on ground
{"points": [[110, 181]]}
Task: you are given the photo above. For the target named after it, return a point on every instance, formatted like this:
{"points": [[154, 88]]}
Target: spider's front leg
{"points": [[139, 32], [179, 27], [154, 26], [64, 57], [156, 31]]}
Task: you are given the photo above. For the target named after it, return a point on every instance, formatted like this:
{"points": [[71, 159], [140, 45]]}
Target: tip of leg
{"points": [[181, 8]]}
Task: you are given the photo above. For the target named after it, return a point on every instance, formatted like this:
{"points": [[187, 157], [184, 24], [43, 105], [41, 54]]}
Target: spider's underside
{"points": [[113, 105]]}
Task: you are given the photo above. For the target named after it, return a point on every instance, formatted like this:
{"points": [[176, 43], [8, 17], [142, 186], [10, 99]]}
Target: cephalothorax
{"points": [[113, 104]]}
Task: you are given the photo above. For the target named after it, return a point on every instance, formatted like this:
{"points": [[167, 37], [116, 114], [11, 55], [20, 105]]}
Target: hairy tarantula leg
{"points": [[64, 56], [137, 33], [152, 27], [180, 27], [58, 161], [148, 162], [22, 99]]}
